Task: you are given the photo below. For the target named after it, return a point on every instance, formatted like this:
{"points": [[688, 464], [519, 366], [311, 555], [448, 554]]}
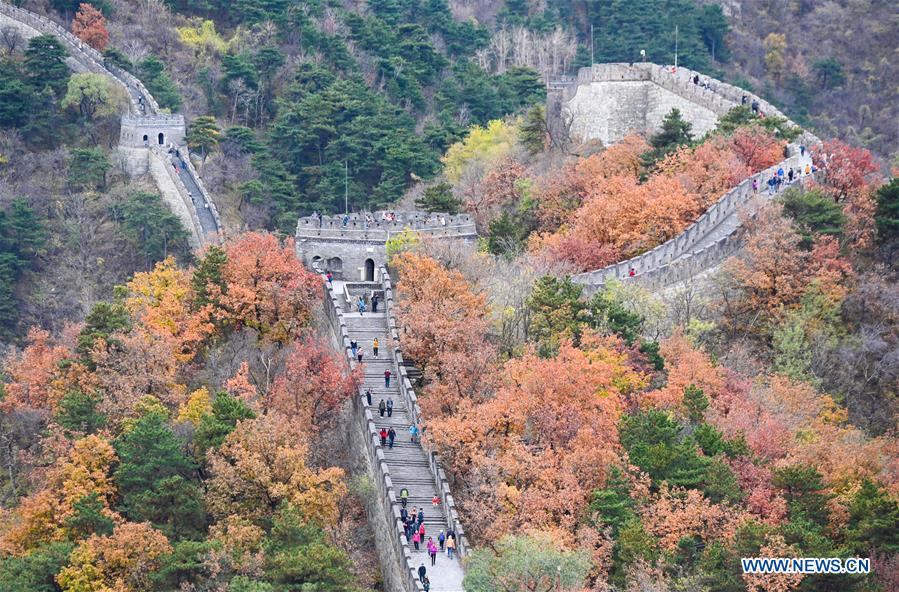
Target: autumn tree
{"points": [[123, 561], [527, 562], [314, 384], [444, 328], [263, 463], [89, 25], [267, 288], [775, 49]]}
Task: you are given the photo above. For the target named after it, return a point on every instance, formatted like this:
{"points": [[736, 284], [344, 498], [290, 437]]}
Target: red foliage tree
{"points": [[89, 25]]}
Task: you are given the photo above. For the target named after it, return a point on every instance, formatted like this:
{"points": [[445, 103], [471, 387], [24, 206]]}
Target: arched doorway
{"points": [[335, 266], [161, 138], [369, 270], [146, 139]]}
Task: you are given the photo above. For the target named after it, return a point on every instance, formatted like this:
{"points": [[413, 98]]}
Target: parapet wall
{"points": [[607, 102], [83, 58], [354, 250], [140, 131]]}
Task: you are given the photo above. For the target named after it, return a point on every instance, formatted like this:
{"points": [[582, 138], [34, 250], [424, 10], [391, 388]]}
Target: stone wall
{"points": [[139, 131], [174, 194], [607, 101], [345, 249], [394, 555]]}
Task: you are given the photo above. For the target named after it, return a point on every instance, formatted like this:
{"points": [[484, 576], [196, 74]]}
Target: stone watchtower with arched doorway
{"points": [[143, 131], [354, 246]]}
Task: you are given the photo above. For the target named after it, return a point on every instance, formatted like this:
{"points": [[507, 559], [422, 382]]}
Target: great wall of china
{"points": [[146, 132], [608, 101]]}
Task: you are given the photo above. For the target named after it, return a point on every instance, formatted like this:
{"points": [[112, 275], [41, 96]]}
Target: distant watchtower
{"points": [[139, 131], [354, 249]]}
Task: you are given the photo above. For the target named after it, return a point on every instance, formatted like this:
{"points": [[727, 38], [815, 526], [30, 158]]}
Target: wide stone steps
{"points": [[407, 462]]}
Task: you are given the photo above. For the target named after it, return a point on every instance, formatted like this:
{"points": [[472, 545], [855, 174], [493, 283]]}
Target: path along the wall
{"points": [[199, 216], [715, 235], [407, 465]]}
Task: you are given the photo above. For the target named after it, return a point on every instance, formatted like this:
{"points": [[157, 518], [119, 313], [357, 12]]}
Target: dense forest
{"points": [[173, 420]]}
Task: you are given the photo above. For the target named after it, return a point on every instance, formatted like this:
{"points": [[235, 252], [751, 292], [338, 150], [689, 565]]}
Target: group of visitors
{"points": [[362, 302], [435, 219], [701, 83], [388, 216]]}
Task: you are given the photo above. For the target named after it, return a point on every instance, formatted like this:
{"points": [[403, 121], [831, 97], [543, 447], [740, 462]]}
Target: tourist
{"points": [[755, 185], [426, 584], [383, 435], [780, 172], [755, 107], [391, 436], [387, 378], [801, 150], [421, 518], [441, 538], [413, 432], [696, 79], [330, 277], [415, 539], [359, 353], [631, 272], [790, 174], [361, 305], [422, 570], [435, 501], [368, 396], [374, 346], [743, 100], [382, 407], [404, 497], [808, 170], [450, 546], [421, 528], [346, 219], [404, 515], [432, 551], [389, 407], [413, 515], [354, 347], [374, 302]]}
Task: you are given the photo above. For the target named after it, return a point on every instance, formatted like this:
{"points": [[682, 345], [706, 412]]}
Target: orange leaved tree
{"points": [[89, 25]]}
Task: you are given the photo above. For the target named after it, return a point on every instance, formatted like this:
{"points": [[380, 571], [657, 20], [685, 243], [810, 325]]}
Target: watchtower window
{"points": [[161, 138], [146, 138]]}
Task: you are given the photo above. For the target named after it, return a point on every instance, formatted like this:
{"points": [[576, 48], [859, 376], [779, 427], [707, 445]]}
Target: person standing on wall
{"points": [[374, 346]]}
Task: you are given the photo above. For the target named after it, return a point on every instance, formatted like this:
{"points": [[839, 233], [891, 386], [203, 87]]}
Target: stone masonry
{"points": [[608, 101], [406, 465], [355, 250]]}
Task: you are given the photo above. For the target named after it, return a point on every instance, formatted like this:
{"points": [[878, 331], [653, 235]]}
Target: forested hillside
{"points": [[172, 419]]}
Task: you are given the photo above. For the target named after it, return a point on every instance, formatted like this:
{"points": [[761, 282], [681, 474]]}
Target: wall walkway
{"points": [[407, 465], [715, 235], [203, 223]]}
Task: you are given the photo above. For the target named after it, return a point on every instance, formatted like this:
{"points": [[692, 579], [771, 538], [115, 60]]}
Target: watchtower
{"points": [[140, 131], [353, 246]]}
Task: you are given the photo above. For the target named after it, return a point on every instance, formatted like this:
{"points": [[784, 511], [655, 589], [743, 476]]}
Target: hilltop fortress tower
{"points": [[606, 102], [355, 250]]}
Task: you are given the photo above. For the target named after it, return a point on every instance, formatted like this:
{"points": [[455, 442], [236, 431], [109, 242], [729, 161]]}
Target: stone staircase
{"points": [[407, 463]]}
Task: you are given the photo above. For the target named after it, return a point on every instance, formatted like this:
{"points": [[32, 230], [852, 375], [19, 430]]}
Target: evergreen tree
{"points": [[675, 132], [88, 168], [439, 198], [533, 132], [104, 319], [36, 571], [207, 280], [873, 521], [203, 135], [556, 311], [151, 72], [695, 402], [887, 213], [215, 426], [79, 412], [814, 214], [153, 478], [45, 64], [151, 228], [613, 502], [88, 518], [803, 489], [300, 557]]}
